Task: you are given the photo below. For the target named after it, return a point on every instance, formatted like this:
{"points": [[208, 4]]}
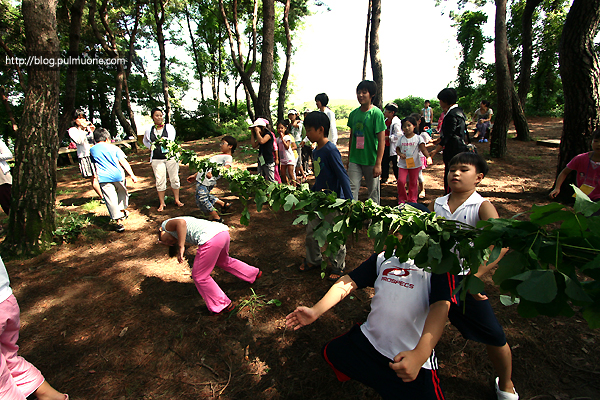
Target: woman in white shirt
{"points": [[160, 164]]}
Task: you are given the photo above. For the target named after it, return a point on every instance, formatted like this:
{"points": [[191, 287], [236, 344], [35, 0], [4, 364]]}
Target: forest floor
{"points": [[112, 316]]}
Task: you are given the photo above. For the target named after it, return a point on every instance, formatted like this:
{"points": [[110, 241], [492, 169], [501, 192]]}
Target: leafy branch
{"points": [[553, 264]]}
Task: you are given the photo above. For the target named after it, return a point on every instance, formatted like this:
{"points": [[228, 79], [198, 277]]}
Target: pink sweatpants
{"points": [[18, 377], [216, 252], [413, 185]]}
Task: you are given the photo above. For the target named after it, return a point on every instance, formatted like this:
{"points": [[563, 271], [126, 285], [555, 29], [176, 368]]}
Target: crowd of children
{"points": [[393, 351]]}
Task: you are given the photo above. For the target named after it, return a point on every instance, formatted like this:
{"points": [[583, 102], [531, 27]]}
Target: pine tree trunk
{"points": [[580, 73], [518, 115], [288, 62], [527, 55], [503, 84], [159, 8], [368, 31], [376, 65], [70, 90], [31, 219], [262, 107]]}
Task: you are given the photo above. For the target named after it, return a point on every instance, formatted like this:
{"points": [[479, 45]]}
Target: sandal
{"points": [[306, 266], [226, 207]]}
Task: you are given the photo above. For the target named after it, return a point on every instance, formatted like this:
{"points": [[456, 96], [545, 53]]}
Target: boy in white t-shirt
{"points": [[392, 352], [206, 182], [475, 319]]}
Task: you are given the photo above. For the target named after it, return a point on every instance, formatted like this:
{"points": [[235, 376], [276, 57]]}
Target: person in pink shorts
{"points": [[18, 377], [212, 239]]}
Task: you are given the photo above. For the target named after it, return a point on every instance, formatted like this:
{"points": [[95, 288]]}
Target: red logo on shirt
{"points": [[397, 273], [402, 271]]}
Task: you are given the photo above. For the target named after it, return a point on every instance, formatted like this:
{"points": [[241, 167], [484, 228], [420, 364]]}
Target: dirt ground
{"points": [[111, 316]]}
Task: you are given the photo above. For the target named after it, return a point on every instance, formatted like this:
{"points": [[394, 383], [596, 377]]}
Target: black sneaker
{"points": [[119, 228]]}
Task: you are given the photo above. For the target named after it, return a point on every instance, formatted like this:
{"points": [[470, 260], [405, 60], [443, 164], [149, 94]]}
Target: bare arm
{"points": [[180, 226], [380, 151], [407, 364], [437, 149], [303, 316], [487, 211], [559, 181], [127, 168]]}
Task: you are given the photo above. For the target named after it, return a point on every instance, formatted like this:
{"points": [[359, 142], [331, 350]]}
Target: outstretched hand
{"points": [[300, 317]]}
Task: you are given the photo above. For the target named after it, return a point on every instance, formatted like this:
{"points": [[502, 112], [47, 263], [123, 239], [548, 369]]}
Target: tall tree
{"points": [[244, 68], [288, 62], [158, 8], [580, 72], [376, 65], [109, 44], [70, 90], [262, 106], [527, 53], [367, 33], [503, 84], [31, 219]]}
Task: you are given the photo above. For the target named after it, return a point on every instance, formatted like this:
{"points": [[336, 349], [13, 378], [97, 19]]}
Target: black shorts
{"points": [[477, 321], [352, 356]]}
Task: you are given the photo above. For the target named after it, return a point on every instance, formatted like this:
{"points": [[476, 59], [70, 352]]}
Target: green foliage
{"points": [[553, 270], [91, 205], [254, 303], [69, 226], [412, 104]]}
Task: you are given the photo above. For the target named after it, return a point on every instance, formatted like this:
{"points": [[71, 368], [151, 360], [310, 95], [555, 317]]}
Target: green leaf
{"points": [[290, 202], [274, 301], [420, 240], [583, 204], [510, 265], [508, 300], [537, 286], [301, 219], [473, 284], [575, 291], [375, 229], [245, 217], [592, 316], [260, 198]]}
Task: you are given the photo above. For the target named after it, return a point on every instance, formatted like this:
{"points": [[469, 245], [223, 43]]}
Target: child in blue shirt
{"points": [[110, 161], [330, 176]]}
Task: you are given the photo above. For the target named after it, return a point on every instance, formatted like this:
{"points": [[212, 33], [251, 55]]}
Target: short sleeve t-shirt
{"points": [[588, 173], [106, 157], [286, 156], [199, 231], [410, 148], [365, 126], [222, 160], [392, 329]]}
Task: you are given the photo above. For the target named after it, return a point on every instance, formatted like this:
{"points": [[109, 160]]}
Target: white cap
{"points": [[259, 122]]}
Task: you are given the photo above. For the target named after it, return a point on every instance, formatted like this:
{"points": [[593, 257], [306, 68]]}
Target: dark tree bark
{"points": [[503, 85], [376, 65], [159, 19], [111, 49], [527, 55], [76, 12], [263, 105], [288, 62], [132, 35], [368, 31], [580, 73], [518, 115], [31, 219], [243, 68], [195, 51]]}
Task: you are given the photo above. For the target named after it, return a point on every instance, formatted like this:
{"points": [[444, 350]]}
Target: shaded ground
{"points": [[111, 316]]}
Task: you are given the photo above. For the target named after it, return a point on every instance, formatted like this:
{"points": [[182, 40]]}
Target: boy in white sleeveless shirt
{"points": [[478, 321]]}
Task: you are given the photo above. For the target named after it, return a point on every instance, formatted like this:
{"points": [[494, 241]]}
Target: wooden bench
{"points": [[129, 143]]}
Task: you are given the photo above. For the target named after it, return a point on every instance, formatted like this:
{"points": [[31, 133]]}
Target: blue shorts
{"points": [[352, 356], [477, 321], [204, 200]]}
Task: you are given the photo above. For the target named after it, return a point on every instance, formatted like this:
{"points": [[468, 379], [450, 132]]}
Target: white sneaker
{"points": [[506, 395]]}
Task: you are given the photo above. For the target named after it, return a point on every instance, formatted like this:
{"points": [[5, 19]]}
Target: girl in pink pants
{"points": [[212, 239], [18, 377]]}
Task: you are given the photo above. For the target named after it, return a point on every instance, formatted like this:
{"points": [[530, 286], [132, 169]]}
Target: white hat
{"points": [[259, 122], [292, 111]]}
